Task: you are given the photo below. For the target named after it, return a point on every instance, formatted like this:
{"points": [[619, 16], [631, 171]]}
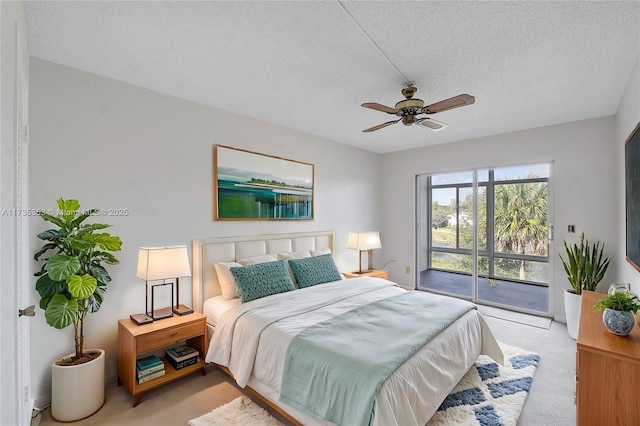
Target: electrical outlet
{"points": [[407, 269]]}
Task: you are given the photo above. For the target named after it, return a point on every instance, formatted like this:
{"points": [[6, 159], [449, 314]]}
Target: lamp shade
{"points": [[364, 240], [159, 263]]}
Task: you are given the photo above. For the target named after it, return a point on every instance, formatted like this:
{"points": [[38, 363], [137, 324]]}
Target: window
{"points": [[493, 221]]}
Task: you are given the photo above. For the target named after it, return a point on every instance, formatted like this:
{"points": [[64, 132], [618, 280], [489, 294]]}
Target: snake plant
{"points": [[585, 265]]}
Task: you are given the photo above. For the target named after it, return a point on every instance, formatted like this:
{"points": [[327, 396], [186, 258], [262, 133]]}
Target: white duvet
{"points": [[251, 340]]}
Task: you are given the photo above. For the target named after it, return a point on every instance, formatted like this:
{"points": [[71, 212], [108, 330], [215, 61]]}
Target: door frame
{"points": [[423, 231], [16, 402]]}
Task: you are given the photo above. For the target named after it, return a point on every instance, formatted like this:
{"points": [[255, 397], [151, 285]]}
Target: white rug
{"points": [[241, 411], [490, 394]]}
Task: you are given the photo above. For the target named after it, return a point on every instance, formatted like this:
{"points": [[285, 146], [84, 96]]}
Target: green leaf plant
{"points": [[585, 265], [72, 280], [619, 302]]}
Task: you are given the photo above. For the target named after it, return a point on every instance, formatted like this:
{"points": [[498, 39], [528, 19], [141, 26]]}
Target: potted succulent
{"points": [[619, 308], [585, 267], [72, 283]]}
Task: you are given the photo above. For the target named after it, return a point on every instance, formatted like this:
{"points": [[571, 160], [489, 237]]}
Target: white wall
{"points": [[584, 188], [627, 119], [114, 145]]}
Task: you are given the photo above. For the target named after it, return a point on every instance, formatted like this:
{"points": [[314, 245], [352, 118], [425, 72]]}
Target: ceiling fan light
{"points": [[408, 120], [432, 124]]}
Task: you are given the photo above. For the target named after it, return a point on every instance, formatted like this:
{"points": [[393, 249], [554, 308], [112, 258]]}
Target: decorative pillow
{"points": [[225, 278], [315, 270], [320, 252], [293, 255], [258, 259], [261, 279]]}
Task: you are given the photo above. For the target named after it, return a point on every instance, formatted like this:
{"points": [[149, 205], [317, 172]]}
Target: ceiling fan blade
{"points": [[379, 107], [380, 126], [432, 124], [451, 103]]}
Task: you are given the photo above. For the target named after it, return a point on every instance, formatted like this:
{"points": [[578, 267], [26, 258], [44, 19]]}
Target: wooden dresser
{"points": [[607, 371]]}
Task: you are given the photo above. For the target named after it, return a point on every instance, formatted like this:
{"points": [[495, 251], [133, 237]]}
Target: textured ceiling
{"points": [[308, 65]]}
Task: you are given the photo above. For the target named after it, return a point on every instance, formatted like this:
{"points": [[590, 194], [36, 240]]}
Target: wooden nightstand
{"points": [[135, 341], [377, 273]]}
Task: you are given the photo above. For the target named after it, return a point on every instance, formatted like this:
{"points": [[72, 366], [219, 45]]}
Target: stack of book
{"points": [[182, 356], [148, 368]]}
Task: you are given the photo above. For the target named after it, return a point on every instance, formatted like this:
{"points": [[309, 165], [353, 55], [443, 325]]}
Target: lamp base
{"points": [[141, 319], [182, 310], [161, 313]]}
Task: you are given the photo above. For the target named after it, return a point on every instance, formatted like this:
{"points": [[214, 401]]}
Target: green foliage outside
{"points": [[520, 227]]}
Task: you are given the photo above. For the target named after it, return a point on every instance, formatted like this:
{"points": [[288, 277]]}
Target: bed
{"points": [[258, 342]]}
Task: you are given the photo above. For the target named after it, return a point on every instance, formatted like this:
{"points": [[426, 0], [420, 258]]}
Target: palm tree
{"points": [[521, 220]]}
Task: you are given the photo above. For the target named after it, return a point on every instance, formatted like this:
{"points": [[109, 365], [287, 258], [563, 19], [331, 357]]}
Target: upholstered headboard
{"points": [[209, 251]]}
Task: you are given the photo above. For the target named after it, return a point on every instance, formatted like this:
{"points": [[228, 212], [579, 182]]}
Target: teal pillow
{"points": [[314, 270], [261, 279]]}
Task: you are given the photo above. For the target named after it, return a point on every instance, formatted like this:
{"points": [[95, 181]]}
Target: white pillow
{"points": [[258, 259], [226, 280], [293, 255], [320, 252]]}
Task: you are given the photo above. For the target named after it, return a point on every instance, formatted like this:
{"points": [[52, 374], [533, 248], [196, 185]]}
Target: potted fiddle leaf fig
{"points": [[72, 283], [585, 267], [619, 308]]}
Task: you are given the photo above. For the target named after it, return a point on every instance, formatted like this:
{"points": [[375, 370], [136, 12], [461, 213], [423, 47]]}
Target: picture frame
{"points": [[632, 197], [249, 185]]}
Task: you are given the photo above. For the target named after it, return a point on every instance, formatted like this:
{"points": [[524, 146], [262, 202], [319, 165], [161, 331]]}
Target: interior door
{"points": [[15, 395]]}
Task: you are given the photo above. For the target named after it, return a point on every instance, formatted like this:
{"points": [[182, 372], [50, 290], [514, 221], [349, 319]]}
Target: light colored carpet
{"points": [[239, 412], [490, 394], [526, 319]]}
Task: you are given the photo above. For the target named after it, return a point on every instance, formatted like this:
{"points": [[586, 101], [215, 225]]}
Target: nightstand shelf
{"points": [[376, 273], [135, 341]]}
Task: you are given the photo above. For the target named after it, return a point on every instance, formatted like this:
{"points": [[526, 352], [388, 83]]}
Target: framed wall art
{"points": [[632, 197], [249, 185]]}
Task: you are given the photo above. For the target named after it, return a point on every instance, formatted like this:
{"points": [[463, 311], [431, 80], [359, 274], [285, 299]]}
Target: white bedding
{"points": [[215, 306], [254, 351]]}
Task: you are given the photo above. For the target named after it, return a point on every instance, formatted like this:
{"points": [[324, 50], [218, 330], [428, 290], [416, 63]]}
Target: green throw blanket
{"points": [[334, 368]]}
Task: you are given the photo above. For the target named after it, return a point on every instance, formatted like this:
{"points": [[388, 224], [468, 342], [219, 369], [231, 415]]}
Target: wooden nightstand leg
{"points": [[203, 371], [138, 400]]}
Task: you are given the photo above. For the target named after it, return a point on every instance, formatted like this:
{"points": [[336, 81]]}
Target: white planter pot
{"points": [[572, 304], [77, 391]]}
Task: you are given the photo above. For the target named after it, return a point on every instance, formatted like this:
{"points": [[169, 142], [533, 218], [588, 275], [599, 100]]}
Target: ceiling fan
{"points": [[408, 109]]}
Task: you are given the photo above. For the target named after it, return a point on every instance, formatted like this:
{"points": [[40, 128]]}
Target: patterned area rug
{"points": [[241, 411], [490, 394]]}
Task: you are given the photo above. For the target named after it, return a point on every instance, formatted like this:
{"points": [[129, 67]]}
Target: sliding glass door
{"points": [[483, 236]]}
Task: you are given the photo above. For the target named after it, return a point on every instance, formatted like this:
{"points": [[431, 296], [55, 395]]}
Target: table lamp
{"points": [[163, 263], [364, 241]]}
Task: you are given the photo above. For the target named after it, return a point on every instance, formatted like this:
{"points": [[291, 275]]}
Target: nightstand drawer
{"points": [[163, 338]]}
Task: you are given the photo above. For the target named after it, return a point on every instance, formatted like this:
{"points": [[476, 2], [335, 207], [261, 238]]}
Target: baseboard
{"points": [[41, 402]]}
